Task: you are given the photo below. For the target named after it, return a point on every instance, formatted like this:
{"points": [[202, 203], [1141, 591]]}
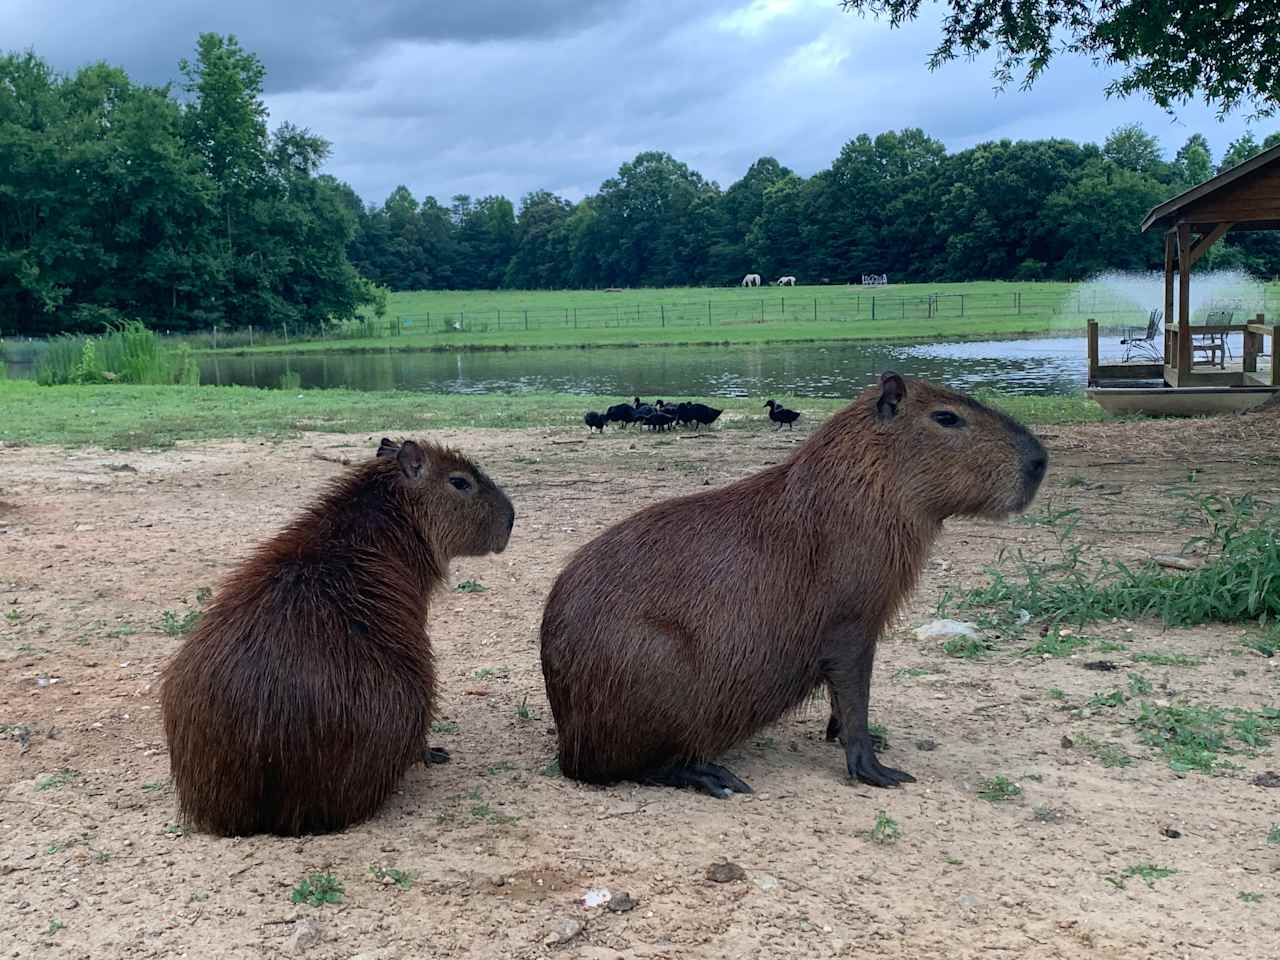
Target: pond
{"points": [[1030, 366]]}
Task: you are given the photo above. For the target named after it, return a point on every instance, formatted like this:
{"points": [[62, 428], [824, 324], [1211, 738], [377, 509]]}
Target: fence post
{"points": [[762, 310], [708, 313], [637, 314], [904, 308], [428, 321], [662, 312], [462, 320], [873, 308], [526, 319], [499, 318], [962, 304], [286, 333], [215, 336], [784, 307]]}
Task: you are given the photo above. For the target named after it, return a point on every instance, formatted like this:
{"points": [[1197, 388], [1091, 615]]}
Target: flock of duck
{"points": [[660, 415]]}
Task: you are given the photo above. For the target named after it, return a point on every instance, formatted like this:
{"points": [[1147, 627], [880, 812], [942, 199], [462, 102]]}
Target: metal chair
{"points": [[1145, 344]]}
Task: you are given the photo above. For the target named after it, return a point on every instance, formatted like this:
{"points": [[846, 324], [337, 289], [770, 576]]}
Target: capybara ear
{"points": [[388, 448], [412, 459], [892, 391]]}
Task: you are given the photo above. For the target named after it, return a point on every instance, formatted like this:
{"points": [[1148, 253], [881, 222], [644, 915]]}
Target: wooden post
{"points": [[1093, 352], [1249, 361], [662, 313], [251, 335], [815, 309], [708, 313], [1184, 298], [873, 308], [526, 319], [1168, 291]]}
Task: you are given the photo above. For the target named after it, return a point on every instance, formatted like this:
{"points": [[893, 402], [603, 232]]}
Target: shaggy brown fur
{"points": [[307, 690], [787, 579]]}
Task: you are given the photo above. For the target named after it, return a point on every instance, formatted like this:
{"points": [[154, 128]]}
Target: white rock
{"points": [[939, 631]]}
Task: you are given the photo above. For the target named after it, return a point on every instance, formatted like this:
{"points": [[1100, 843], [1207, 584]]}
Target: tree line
{"points": [[897, 204], [177, 206]]}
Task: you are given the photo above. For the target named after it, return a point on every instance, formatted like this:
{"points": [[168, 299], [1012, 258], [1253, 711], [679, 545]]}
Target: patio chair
{"points": [[1146, 343], [1214, 345]]}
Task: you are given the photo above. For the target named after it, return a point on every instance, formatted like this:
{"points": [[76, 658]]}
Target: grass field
{"points": [[488, 319], [125, 417]]}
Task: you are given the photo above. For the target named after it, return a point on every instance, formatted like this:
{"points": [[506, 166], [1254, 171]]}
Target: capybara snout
{"points": [[446, 484]]}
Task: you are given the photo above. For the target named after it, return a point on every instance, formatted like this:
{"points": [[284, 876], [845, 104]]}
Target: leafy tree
{"points": [[541, 257], [1194, 160], [1239, 150], [1172, 50], [1133, 148]]}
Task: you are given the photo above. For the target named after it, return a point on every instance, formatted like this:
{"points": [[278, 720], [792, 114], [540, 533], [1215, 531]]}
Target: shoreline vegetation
{"points": [[134, 416]]}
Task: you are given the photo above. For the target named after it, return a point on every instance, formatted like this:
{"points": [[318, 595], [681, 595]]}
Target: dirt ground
{"points": [[95, 547]]}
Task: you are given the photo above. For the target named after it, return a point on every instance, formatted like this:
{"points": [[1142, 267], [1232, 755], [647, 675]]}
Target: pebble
{"points": [[766, 882], [620, 903], [968, 901], [564, 931], [306, 934], [926, 745], [725, 872]]}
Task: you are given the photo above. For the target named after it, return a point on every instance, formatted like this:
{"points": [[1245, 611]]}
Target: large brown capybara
{"points": [[307, 690], [781, 582]]}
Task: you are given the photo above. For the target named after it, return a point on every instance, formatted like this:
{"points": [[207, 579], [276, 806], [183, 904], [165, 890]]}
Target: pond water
{"points": [[1032, 366]]}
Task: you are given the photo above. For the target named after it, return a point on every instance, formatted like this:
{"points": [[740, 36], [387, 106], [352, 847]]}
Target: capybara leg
{"points": [[435, 755], [708, 777], [851, 689]]}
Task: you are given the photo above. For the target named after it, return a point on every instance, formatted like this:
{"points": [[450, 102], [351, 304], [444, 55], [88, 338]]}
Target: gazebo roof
{"points": [[1247, 195]]}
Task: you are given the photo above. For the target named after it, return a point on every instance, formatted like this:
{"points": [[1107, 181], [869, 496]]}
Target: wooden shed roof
{"points": [[1248, 195]]}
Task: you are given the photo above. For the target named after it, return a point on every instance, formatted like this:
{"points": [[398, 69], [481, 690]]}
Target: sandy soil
{"points": [[95, 547]]}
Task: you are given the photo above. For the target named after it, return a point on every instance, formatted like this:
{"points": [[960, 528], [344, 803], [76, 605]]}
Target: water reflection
{"points": [[1033, 366]]}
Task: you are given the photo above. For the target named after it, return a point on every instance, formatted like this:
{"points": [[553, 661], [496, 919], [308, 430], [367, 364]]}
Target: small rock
{"points": [[725, 872], [305, 935], [926, 745], [1103, 665], [1067, 743], [939, 631], [968, 901], [1171, 832], [70, 904], [564, 931], [596, 896], [620, 903], [1268, 779], [766, 882]]}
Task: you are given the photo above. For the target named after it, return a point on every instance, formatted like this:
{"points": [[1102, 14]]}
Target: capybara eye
{"points": [[945, 418], [460, 483]]}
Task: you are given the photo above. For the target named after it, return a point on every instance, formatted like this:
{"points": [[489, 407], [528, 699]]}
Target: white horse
{"points": [[786, 281], [751, 280]]}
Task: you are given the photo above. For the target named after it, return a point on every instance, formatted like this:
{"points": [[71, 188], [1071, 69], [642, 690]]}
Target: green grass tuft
{"points": [[318, 889], [999, 789]]}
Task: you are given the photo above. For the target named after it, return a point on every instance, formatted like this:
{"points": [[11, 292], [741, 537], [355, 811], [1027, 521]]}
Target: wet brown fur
{"points": [[786, 577], [307, 690]]}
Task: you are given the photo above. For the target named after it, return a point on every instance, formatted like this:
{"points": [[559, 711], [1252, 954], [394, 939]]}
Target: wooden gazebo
{"points": [[1246, 197]]}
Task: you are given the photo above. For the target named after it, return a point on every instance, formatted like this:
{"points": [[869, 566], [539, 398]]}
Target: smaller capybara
{"points": [[787, 579], [594, 420], [307, 690]]}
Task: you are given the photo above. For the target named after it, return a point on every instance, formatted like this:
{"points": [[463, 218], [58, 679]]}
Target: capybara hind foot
{"points": [[708, 777], [833, 735], [435, 755], [863, 765]]}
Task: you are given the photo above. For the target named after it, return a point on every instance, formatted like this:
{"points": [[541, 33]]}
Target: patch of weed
{"points": [[485, 673], [1148, 873], [179, 626], [999, 789], [155, 786], [1138, 684], [911, 673], [1055, 643], [552, 768], [1266, 646], [401, 878], [1248, 897], [502, 766], [1115, 698], [1108, 646], [1108, 754], [885, 829], [1274, 835], [967, 648], [1189, 737], [317, 890], [1055, 693], [59, 779], [443, 726], [523, 711], [54, 926], [880, 733], [471, 586]]}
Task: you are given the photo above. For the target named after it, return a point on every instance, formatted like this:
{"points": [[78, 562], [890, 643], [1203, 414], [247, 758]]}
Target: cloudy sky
{"points": [[481, 96]]}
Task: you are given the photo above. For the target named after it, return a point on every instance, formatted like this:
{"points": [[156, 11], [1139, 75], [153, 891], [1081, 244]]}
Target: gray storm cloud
{"points": [[487, 97]]}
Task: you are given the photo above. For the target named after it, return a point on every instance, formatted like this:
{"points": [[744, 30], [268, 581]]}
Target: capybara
{"points": [[787, 579], [307, 690], [780, 414], [594, 420]]}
